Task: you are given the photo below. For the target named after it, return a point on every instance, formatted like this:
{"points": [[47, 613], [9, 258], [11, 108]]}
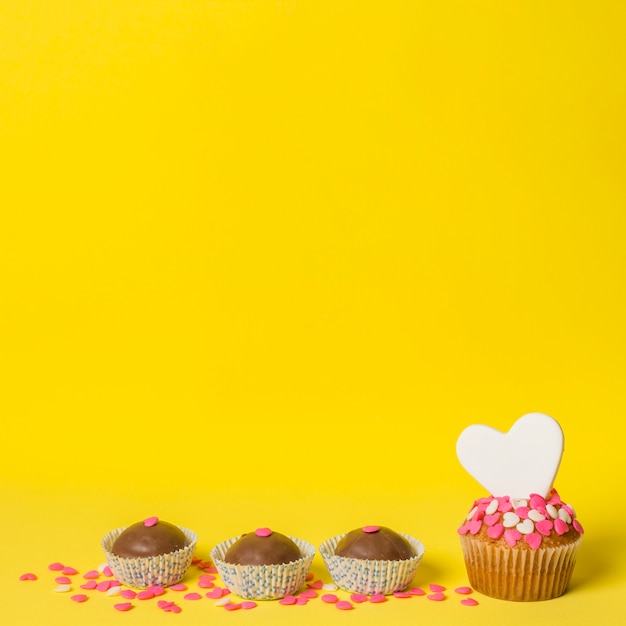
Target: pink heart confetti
{"points": [[81, 597], [56, 567], [28, 576], [358, 598], [377, 598], [248, 605], [123, 606], [469, 602], [129, 594], [178, 587], [288, 600], [69, 571], [91, 574], [437, 597], [401, 594], [344, 605], [417, 591], [192, 596], [62, 580], [436, 588], [316, 584], [463, 590], [233, 606], [330, 598]]}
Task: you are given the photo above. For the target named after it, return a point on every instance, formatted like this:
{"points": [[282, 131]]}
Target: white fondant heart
{"points": [[522, 461]]}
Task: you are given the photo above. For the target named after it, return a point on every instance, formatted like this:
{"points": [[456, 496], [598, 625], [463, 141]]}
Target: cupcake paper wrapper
{"points": [[370, 576], [141, 572], [264, 582], [519, 574]]}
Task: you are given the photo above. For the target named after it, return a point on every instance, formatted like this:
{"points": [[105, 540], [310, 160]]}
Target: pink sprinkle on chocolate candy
{"points": [[288, 600], [151, 521], [123, 606], [377, 598], [463, 590], [28, 576], [344, 605], [193, 596], [80, 597], [56, 567], [371, 529], [469, 602], [437, 597], [436, 588], [263, 532], [330, 598]]}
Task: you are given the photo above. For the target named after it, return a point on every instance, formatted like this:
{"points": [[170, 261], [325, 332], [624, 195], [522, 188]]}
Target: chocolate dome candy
{"points": [[148, 538], [375, 543], [262, 547]]}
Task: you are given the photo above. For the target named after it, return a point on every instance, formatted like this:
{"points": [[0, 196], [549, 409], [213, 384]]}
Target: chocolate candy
{"points": [[148, 538], [376, 543], [262, 547]]}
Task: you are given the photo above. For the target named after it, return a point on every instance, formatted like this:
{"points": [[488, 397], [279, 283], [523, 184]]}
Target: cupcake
{"points": [[519, 543], [150, 552], [372, 559], [264, 564]]}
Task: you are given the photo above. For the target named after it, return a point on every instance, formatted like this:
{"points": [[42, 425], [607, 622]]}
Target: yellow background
{"points": [[261, 262]]}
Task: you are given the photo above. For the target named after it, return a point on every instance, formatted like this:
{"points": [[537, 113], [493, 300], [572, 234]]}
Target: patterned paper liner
{"points": [[264, 582], [371, 576], [519, 573], [141, 572]]}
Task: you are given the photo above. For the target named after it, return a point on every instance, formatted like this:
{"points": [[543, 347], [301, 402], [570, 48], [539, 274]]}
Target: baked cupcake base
{"points": [[264, 582], [141, 572], [370, 576], [519, 573]]}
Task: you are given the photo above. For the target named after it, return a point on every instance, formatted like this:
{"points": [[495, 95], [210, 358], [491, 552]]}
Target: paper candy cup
{"points": [[519, 573], [370, 576], [263, 582], [141, 572]]}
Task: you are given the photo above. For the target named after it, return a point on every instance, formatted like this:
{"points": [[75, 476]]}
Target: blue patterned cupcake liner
{"points": [[264, 582], [370, 576], [141, 572]]}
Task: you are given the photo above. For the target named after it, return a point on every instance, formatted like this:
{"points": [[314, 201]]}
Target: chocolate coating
{"points": [[140, 540], [253, 549], [383, 544]]}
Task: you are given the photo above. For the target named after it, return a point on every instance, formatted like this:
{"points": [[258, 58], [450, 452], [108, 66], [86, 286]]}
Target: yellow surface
{"points": [[261, 262]]}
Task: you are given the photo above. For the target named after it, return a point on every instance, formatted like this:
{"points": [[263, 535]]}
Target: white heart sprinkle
{"points": [[223, 601], [330, 587], [535, 516], [552, 511], [526, 526], [492, 507], [509, 519], [565, 516], [114, 591], [62, 588], [522, 461]]}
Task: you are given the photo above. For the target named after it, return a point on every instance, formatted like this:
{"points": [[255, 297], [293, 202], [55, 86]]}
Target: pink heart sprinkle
{"points": [[437, 597], [560, 526], [157, 590], [123, 606], [151, 521], [81, 597], [214, 594], [91, 584], [28, 576], [206, 577], [330, 598], [474, 526], [233, 606], [62, 580], [512, 536], [370, 529], [463, 530], [129, 594], [192, 596], [578, 527], [263, 532], [533, 540], [436, 588], [91, 574], [69, 571], [287, 600], [522, 512], [146, 594], [210, 570], [178, 587], [343, 605], [463, 590], [206, 584], [164, 604], [316, 584], [417, 591], [495, 531], [401, 594], [377, 598], [302, 601], [107, 571], [248, 605], [105, 585], [469, 602], [490, 520], [544, 527], [358, 598], [308, 593], [56, 567]]}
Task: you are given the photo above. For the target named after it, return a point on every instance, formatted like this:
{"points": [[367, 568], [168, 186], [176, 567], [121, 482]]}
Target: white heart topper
{"points": [[523, 461]]}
